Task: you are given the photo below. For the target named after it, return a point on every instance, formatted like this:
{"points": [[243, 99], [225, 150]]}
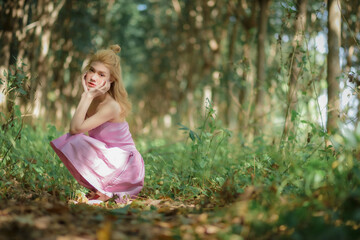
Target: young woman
{"points": [[106, 161]]}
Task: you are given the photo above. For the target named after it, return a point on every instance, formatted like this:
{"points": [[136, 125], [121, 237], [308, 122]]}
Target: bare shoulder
{"points": [[110, 110], [113, 106]]}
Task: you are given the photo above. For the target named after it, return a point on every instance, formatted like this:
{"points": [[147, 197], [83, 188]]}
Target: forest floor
{"points": [[29, 215], [253, 214]]}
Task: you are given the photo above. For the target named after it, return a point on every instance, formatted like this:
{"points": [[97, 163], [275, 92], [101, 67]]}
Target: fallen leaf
{"points": [[104, 233]]}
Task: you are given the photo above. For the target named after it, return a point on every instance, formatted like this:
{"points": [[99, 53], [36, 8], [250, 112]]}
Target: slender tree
{"points": [[295, 67], [333, 64], [244, 13], [260, 66]]}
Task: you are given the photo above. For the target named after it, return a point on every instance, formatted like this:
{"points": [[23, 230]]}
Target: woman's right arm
{"points": [[80, 112]]}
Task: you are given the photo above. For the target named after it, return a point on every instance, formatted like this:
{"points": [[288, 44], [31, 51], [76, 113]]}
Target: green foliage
{"points": [[13, 86], [305, 186], [207, 145], [196, 166], [24, 158], [15, 80], [278, 193], [35, 165]]}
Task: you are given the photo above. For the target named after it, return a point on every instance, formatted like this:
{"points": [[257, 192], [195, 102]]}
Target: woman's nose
{"points": [[93, 77]]}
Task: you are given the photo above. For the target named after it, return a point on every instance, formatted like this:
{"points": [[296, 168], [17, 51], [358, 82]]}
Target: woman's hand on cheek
{"points": [[106, 86], [83, 81], [99, 89]]}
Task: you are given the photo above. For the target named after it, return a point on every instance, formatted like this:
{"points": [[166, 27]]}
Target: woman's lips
{"points": [[91, 84]]}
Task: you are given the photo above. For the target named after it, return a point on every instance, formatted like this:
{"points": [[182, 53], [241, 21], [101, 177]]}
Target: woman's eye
{"points": [[92, 70], [102, 75]]}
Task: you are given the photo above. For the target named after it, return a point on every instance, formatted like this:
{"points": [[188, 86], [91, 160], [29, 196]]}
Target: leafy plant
{"points": [[207, 144], [13, 86]]}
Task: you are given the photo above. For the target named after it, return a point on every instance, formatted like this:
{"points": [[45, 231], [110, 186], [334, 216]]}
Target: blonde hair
{"points": [[111, 60]]}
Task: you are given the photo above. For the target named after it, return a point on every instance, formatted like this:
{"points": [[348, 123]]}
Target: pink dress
{"points": [[106, 160]]}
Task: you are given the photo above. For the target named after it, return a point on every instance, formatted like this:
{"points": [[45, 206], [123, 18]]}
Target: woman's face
{"points": [[97, 74]]}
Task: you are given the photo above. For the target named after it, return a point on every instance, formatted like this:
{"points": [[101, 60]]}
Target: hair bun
{"points": [[116, 48]]}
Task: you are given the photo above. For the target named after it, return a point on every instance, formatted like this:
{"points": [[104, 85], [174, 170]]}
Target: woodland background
{"points": [[259, 62], [251, 106]]}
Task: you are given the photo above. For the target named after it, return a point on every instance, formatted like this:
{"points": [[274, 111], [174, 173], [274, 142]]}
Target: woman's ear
{"points": [[112, 79]]}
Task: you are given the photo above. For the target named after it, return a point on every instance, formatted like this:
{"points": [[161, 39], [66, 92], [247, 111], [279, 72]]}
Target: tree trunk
{"points": [[246, 89], [248, 21], [44, 62], [333, 64], [228, 71], [6, 22], [259, 85], [300, 25]]}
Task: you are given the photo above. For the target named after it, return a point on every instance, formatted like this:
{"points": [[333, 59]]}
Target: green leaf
{"points": [[192, 135], [12, 141], [17, 111], [203, 163], [294, 114], [22, 91], [183, 127]]}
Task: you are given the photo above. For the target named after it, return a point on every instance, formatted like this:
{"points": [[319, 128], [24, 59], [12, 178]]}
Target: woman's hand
{"points": [[96, 91], [99, 89], [83, 82]]}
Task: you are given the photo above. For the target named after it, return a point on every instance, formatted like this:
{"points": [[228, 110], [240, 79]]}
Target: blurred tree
{"points": [[177, 53], [259, 107], [351, 46], [333, 64], [237, 88], [295, 65]]}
